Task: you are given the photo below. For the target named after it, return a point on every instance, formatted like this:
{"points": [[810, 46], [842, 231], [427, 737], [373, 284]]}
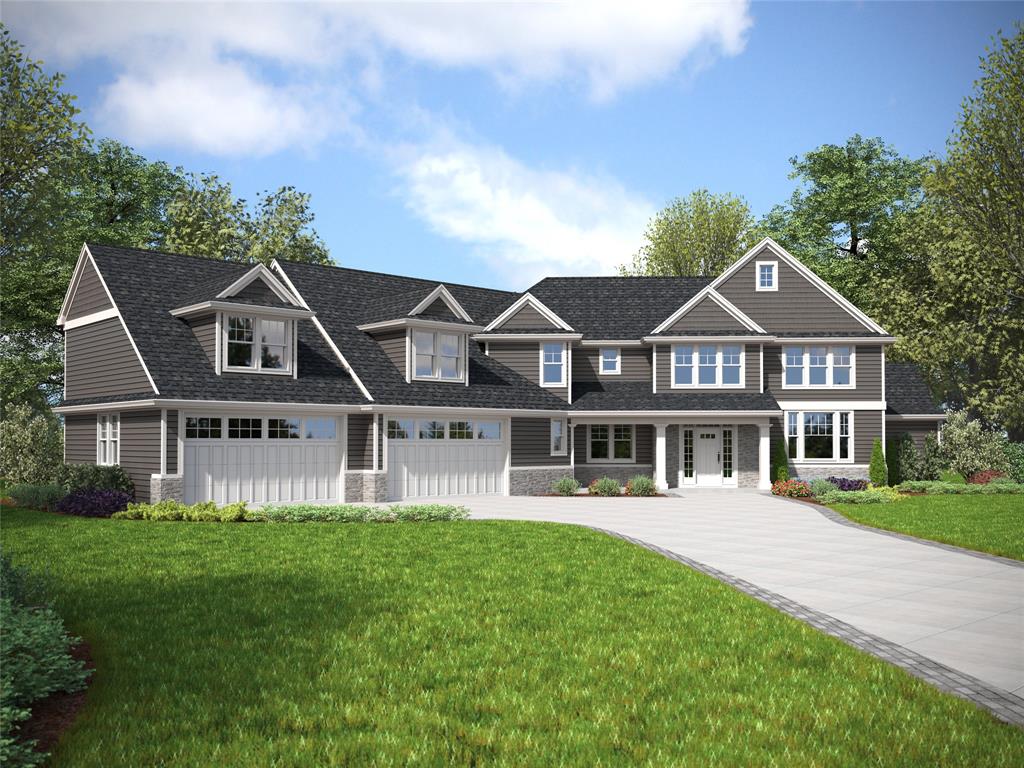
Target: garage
{"points": [[260, 459], [445, 457]]}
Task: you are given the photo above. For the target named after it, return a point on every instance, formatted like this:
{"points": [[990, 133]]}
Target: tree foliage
{"points": [[700, 234], [31, 446], [969, 447]]}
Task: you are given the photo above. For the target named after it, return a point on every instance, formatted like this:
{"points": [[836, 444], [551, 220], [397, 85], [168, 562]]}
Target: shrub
{"points": [[1015, 461], [93, 503], [31, 446], [792, 488], [848, 484], [877, 469], [36, 496], [291, 513], [883, 495], [566, 486], [966, 489], [904, 459], [604, 486], [985, 476], [641, 485], [780, 461], [820, 487], [949, 476], [969, 447], [932, 460], [111, 477]]}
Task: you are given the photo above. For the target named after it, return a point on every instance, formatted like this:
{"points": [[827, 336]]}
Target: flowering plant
{"points": [[791, 488]]}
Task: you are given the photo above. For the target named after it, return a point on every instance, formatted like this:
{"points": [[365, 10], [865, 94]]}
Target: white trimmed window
{"points": [[611, 361], [552, 364], [108, 438], [410, 429], [254, 343], [611, 443], [439, 356], [717, 365], [820, 436], [767, 276], [559, 445], [818, 367]]}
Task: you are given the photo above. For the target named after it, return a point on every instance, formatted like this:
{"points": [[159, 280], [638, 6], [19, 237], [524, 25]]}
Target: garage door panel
{"points": [[445, 467]]}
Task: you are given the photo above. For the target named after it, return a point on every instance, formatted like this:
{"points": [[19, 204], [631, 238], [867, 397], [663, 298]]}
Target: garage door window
{"points": [[321, 429], [283, 429], [401, 429], [202, 428], [488, 430], [460, 430], [245, 429], [431, 430]]}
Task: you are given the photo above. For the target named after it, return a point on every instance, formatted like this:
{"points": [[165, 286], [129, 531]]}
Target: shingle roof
{"points": [[637, 396], [906, 391]]}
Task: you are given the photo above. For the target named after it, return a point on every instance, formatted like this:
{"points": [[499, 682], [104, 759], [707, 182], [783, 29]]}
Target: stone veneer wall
{"points": [[366, 486], [747, 451], [672, 460], [852, 471], [534, 481], [166, 487], [586, 473]]}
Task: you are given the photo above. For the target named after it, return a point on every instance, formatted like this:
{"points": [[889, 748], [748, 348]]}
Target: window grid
{"points": [[245, 429], [792, 434], [244, 332], [717, 366], [820, 436], [727, 453], [623, 448], [688, 453], [818, 367], [558, 445], [108, 439], [844, 435], [283, 429], [202, 427], [610, 360], [431, 430], [460, 430], [553, 365], [401, 429], [766, 276], [599, 441]]}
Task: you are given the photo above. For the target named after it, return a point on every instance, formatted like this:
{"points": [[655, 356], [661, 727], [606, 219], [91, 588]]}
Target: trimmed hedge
{"points": [[966, 489], [880, 495], [112, 477], [291, 513]]}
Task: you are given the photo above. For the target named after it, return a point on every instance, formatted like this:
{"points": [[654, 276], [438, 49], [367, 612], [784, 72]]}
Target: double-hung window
{"points": [[817, 367], [257, 344], [108, 438], [552, 364], [819, 436], [610, 361], [611, 442], [717, 365], [439, 355], [559, 445]]}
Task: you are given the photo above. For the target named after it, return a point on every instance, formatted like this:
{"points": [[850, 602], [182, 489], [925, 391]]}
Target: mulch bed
{"points": [[52, 716]]}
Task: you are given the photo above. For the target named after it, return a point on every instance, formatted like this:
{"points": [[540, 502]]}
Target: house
{"points": [[224, 381]]}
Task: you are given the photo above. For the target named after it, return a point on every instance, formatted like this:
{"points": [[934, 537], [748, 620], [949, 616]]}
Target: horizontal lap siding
{"points": [[531, 444], [527, 317], [868, 376], [90, 296], [707, 316], [172, 443], [643, 452], [751, 363], [360, 442], [140, 449], [917, 430], [205, 330], [393, 344], [524, 359], [634, 364], [101, 362], [80, 439]]}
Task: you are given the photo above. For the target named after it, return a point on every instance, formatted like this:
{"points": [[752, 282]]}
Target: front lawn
{"points": [[466, 643], [993, 524]]}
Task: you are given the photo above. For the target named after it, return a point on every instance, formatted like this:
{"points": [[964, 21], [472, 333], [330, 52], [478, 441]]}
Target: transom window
{"points": [[611, 442], [767, 276], [258, 344], [819, 436], [439, 355], [460, 430], [202, 428], [718, 365], [610, 360], [254, 428], [558, 441], [552, 365], [434, 429], [245, 429], [108, 438], [817, 366]]}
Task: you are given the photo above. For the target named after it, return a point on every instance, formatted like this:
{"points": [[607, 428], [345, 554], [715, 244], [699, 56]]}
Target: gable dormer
{"points": [[708, 312], [527, 313]]}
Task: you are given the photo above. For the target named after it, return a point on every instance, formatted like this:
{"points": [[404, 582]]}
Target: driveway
{"points": [[965, 612]]}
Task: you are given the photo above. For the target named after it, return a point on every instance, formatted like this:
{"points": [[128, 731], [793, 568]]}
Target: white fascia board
{"points": [[220, 405], [84, 257], [95, 317], [805, 272], [241, 309], [612, 342], [645, 417], [264, 274], [827, 340], [832, 405], [445, 295], [916, 416], [698, 339], [275, 266], [708, 292], [537, 304], [418, 322], [429, 410], [527, 336]]}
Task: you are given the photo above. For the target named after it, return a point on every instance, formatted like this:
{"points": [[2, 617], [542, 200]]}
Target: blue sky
{"points": [[491, 144]]}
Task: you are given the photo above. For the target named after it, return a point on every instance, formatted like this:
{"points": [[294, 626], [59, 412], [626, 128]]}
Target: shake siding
{"points": [[643, 435], [80, 439], [531, 444], [140, 448], [438, 309], [798, 306], [917, 430], [751, 362], [868, 377], [89, 296], [527, 317], [523, 357], [360, 441], [100, 362], [393, 344], [707, 316], [634, 364], [205, 330]]}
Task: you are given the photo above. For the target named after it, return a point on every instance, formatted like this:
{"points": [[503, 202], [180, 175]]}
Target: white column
{"points": [[660, 478], [764, 459]]}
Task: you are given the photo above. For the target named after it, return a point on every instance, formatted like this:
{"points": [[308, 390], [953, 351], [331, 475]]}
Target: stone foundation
{"points": [[533, 481], [586, 473], [366, 486], [747, 455], [673, 461], [166, 487], [851, 471]]}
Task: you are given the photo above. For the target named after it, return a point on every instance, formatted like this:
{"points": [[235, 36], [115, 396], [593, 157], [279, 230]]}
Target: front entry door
{"points": [[708, 455]]}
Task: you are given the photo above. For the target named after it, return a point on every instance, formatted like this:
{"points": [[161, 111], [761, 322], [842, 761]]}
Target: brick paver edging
{"points": [[1002, 704]]}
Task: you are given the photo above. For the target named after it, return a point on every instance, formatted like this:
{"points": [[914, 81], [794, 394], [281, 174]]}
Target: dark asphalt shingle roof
{"points": [[906, 390], [637, 396]]}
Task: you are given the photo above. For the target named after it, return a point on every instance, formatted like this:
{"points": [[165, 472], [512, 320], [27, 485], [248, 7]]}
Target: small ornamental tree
{"points": [[877, 469], [969, 447], [932, 460], [904, 460], [31, 446]]}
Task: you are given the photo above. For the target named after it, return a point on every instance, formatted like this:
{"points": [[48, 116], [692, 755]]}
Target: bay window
{"points": [[108, 439], [611, 442], [819, 436], [439, 355], [552, 365], [718, 365], [253, 343], [817, 367]]}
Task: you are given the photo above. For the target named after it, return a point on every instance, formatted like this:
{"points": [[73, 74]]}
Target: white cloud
{"points": [[526, 223]]}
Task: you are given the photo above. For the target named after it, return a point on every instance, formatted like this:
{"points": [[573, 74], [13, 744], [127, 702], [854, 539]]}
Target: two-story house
{"points": [[223, 381]]}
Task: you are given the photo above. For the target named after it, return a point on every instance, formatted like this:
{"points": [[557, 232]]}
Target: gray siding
{"points": [[172, 443], [523, 357], [140, 448], [205, 330], [100, 362], [707, 316], [643, 452], [439, 310], [867, 425], [634, 364], [80, 439], [393, 344], [868, 377], [894, 428], [89, 296], [360, 441], [258, 292], [531, 444], [798, 306], [751, 373], [527, 317]]}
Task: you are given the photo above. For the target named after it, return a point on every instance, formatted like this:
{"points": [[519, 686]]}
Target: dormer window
{"points": [[610, 361], [767, 276], [259, 344], [439, 356]]}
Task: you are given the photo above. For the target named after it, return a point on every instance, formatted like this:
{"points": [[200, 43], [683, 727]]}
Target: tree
{"points": [[700, 234], [31, 446], [878, 472]]}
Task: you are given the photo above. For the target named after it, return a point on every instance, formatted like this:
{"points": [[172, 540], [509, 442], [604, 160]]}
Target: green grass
{"points": [[993, 524], [467, 643]]}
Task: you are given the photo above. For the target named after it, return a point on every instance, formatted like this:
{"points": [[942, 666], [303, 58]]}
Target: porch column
{"points": [[660, 478], [764, 461]]}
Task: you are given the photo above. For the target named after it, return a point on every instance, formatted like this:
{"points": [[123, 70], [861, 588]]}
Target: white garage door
{"points": [[260, 459], [442, 457]]}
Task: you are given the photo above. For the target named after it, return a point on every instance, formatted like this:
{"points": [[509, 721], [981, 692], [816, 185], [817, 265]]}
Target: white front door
{"points": [[708, 455]]}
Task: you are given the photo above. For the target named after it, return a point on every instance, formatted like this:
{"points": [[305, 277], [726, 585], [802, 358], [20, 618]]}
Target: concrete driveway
{"points": [[965, 612]]}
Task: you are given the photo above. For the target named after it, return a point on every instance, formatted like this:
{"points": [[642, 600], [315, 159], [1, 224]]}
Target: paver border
{"points": [[1002, 704]]}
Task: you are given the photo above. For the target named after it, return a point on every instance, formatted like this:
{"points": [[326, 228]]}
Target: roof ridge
{"points": [[401, 277]]}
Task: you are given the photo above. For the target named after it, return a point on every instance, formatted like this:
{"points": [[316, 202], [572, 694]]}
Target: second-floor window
{"points": [[817, 366], [439, 355], [610, 360], [552, 365], [257, 344], [707, 365], [767, 276]]}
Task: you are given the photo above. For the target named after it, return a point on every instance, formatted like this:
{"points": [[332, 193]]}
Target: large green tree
{"points": [[700, 234]]}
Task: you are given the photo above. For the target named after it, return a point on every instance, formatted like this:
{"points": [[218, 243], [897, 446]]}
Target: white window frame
{"points": [[257, 352], [562, 433], [775, 276], [695, 365], [436, 375], [799, 458], [563, 382], [108, 435], [829, 368], [611, 444], [618, 361]]}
